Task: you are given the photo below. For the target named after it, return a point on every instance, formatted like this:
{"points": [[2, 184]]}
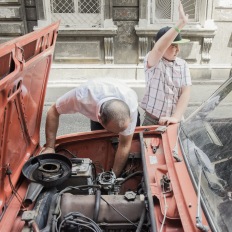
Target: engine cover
{"points": [[85, 205]]}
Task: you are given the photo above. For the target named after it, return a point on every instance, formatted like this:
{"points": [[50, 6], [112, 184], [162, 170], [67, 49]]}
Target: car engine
{"points": [[86, 201]]}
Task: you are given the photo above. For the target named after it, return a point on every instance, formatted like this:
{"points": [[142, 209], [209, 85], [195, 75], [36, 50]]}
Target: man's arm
{"points": [[52, 123], [166, 40], [180, 108], [122, 153]]}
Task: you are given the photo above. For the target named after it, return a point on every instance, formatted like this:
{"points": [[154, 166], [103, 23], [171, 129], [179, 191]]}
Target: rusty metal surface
{"points": [[25, 64]]}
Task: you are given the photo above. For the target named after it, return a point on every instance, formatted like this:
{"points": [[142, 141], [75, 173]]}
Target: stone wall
{"points": [[126, 37], [12, 19], [31, 14], [126, 17]]}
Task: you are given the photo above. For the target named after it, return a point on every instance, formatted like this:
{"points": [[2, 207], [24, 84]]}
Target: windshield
{"points": [[206, 139]]}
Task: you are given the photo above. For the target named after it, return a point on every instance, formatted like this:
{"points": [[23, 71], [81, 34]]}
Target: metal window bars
{"points": [[78, 13], [167, 10]]}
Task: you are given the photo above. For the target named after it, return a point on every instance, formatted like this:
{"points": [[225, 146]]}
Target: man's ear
{"points": [[99, 118]]}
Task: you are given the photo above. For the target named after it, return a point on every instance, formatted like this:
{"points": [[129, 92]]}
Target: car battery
{"points": [[81, 174]]}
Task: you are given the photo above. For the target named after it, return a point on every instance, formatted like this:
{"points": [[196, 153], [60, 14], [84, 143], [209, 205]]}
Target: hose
{"points": [[97, 205], [131, 175], [141, 221]]}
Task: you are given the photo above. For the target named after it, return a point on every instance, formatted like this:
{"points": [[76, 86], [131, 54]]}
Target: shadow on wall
{"points": [[230, 42]]}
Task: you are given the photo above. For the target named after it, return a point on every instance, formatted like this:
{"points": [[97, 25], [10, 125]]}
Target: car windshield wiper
{"points": [[207, 169], [199, 223]]}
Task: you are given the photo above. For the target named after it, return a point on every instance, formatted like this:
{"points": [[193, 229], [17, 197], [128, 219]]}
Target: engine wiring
{"points": [[165, 211], [133, 167], [18, 197], [79, 220], [76, 220], [57, 213]]}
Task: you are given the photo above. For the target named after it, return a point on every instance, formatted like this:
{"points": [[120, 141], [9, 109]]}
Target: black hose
{"points": [[131, 175], [141, 221], [97, 205], [50, 220]]}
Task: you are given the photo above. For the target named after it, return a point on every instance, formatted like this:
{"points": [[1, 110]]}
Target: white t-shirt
{"points": [[88, 98]]}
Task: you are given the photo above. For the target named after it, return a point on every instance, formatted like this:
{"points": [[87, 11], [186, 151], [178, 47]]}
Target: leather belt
{"points": [[151, 116]]}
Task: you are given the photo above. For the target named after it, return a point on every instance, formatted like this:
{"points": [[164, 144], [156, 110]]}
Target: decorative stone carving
{"points": [[126, 34], [126, 43], [205, 56], [143, 46], [109, 51], [126, 14]]}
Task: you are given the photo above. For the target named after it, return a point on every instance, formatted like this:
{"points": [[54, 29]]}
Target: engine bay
{"points": [[89, 198]]}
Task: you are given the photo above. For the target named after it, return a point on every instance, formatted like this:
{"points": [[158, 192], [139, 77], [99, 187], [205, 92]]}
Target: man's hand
{"points": [[46, 150], [165, 121]]}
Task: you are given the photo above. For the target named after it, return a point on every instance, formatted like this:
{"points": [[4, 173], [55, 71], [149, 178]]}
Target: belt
{"points": [[151, 116]]}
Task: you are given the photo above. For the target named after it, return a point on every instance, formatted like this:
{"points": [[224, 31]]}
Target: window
{"points": [[77, 13], [60, 6], [89, 6], [166, 10]]}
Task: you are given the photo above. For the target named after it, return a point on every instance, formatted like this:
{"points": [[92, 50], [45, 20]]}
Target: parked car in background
{"points": [[177, 177]]}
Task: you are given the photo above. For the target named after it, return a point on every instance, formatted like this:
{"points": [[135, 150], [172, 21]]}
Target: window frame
{"points": [[85, 20], [202, 13]]}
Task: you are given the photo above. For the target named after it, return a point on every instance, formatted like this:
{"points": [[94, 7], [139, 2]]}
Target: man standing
{"points": [[167, 77], [109, 104]]}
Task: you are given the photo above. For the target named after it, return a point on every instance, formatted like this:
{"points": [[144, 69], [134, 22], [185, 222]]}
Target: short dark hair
{"points": [[114, 110]]}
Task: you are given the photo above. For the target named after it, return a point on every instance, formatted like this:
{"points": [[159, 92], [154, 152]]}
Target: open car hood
{"points": [[25, 64]]}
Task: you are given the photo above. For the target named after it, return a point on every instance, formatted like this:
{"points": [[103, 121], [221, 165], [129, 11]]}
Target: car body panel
{"points": [[181, 198], [27, 61]]}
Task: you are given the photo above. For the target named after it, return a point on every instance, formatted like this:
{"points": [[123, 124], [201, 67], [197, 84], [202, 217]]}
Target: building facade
{"points": [[111, 37]]}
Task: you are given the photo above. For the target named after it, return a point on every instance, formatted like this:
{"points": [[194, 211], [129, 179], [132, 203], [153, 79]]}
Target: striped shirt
{"points": [[163, 86]]}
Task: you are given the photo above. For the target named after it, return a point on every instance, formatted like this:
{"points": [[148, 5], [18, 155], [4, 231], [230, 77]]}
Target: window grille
{"points": [[77, 13], [59, 6], [89, 7], [167, 10]]}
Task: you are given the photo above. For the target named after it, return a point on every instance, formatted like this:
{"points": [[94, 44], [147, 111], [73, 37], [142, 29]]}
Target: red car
{"points": [[177, 178]]}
